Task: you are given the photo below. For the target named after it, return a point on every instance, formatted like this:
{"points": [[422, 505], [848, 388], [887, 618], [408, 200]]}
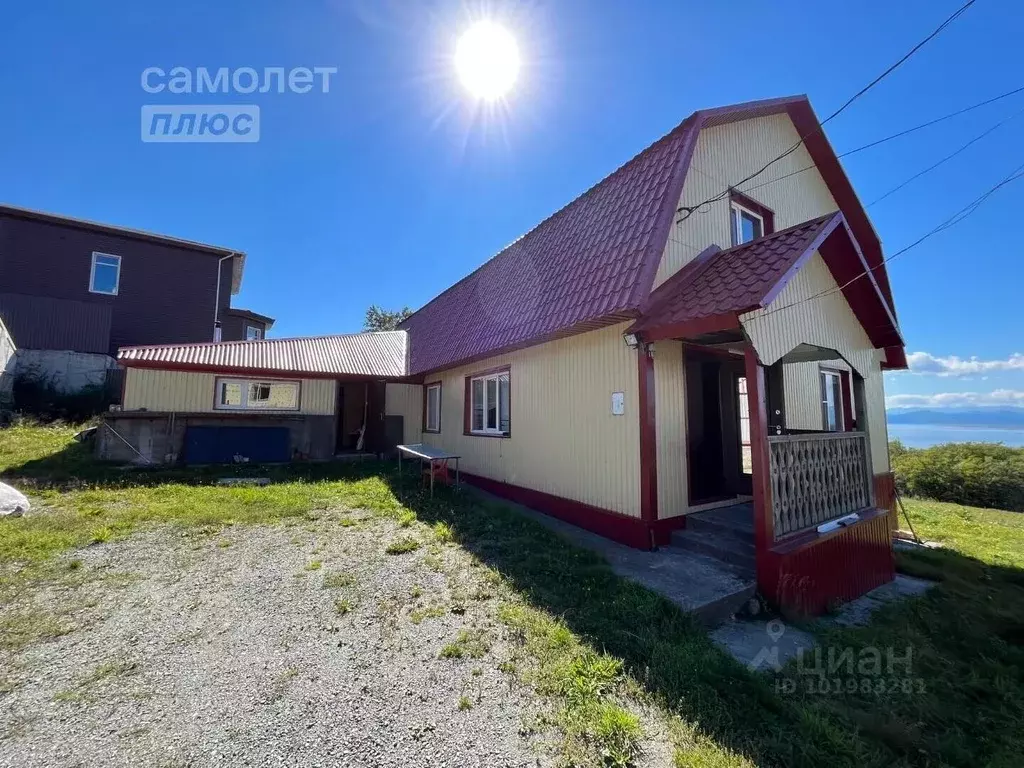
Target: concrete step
{"points": [[727, 549], [722, 610], [722, 525]]}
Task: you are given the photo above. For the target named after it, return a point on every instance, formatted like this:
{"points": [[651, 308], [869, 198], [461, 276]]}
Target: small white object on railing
{"points": [[842, 522]]}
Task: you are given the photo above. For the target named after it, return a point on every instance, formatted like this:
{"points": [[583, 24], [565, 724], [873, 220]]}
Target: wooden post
{"points": [[764, 518]]}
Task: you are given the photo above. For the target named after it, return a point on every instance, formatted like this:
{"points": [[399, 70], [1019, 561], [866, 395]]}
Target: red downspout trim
{"points": [[648, 438]]}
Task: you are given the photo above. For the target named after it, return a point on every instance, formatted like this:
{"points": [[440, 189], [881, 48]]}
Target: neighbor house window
{"points": [[106, 274], [255, 394], [252, 333], [746, 225], [489, 404], [831, 402], [432, 408]]}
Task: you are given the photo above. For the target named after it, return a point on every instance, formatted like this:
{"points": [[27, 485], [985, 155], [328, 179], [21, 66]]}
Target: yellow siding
{"points": [[802, 385], [188, 392], [670, 399], [826, 321], [564, 439], [406, 400], [724, 155]]}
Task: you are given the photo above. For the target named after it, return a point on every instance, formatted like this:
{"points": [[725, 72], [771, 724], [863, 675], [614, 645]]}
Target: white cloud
{"points": [[999, 397], [925, 363]]}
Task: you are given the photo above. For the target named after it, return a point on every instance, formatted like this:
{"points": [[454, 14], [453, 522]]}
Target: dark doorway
{"points": [[716, 399]]}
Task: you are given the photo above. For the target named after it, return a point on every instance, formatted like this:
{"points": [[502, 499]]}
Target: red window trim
{"points": [[440, 389], [767, 214], [467, 401]]}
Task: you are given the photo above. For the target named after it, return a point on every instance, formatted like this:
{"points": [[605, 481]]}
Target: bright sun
{"points": [[487, 60]]}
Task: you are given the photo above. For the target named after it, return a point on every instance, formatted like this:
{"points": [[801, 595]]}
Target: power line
{"points": [[952, 221], [898, 135], [950, 156], [959, 12]]}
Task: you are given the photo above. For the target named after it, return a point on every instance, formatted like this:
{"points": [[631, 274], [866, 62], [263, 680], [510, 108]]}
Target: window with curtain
{"points": [[490, 408], [432, 416]]}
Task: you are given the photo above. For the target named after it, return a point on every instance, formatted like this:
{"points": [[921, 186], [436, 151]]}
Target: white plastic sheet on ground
{"points": [[12, 502]]}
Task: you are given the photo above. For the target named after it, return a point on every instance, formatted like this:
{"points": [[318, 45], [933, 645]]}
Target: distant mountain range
{"points": [[1002, 418]]}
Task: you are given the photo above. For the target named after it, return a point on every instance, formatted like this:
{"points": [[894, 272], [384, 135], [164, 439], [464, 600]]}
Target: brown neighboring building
{"points": [[80, 286], [244, 325]]}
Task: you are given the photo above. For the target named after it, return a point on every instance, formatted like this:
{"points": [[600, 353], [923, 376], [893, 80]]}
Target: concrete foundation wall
{"points": [[8, 363], [160, 438], [67, 371]]}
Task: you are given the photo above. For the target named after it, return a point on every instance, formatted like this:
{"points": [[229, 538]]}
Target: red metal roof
{"points": [[377, 355], [740, 279], [593, 262], [712, 291]]}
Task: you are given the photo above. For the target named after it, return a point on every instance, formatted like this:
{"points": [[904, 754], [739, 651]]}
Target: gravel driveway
{"points": [[297, 645]]}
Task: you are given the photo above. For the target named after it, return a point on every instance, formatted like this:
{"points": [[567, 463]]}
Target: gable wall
{"points": [[828, 322], [727, 153]]}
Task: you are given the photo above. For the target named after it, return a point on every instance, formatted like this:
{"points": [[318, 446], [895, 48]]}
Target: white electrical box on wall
{"points": [[618, 403]]}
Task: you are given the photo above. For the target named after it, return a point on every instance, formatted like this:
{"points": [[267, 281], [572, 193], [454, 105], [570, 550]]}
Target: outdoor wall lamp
{"points": [[631, 339]]}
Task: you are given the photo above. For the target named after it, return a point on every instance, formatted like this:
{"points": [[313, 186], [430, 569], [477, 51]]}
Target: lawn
{"points": [[627, 676]]}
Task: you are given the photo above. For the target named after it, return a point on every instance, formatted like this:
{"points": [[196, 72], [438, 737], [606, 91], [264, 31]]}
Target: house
{"points": [[82, 290], [244, 325], [663, 346]]}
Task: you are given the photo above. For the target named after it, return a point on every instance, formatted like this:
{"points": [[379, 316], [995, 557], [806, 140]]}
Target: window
{"points": [[105, 275], [252, 333], [743, 409], [746, 225], [432, 408], [248, 394], [489, 404], [831, 402]]}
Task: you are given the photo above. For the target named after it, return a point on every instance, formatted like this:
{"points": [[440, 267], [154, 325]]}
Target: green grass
{"points": [[600, 649]]}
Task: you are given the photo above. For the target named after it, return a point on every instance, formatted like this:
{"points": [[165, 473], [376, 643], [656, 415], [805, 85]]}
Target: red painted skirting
{"points": [[631, 531], [885, 497], [836, 568]]}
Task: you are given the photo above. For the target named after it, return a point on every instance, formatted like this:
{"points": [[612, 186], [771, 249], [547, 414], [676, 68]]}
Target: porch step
{"points": [[736, 522], [728, 549]]}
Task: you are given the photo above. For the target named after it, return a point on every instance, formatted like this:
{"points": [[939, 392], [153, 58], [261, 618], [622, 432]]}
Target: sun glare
{"points": [[487, 60]]}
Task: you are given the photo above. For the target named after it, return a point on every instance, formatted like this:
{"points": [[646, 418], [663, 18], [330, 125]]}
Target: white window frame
{"points": [[258, 336], [735, 222], [496, 377], [825, 380], [245, 384], [427, 427], [92, 273]]}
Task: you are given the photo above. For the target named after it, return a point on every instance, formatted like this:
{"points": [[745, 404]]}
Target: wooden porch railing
{"points": [[817, 477]]}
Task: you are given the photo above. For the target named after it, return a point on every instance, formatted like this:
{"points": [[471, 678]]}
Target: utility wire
{"points": [[877, 142], [952, 221], [950, 156], [690, 209]]}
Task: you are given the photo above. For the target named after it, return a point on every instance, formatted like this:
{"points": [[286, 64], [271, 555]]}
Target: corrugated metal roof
{"points": [[590, 264], [736, 280], [380, 354]]}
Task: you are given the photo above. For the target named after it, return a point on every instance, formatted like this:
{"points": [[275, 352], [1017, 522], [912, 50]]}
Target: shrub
{"points": [[973, 474]]}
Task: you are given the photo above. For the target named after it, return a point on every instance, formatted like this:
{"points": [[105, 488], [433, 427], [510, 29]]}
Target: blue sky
{"points": [[390, 187]]}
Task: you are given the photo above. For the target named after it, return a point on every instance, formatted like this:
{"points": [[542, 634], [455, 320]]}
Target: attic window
{"points": [[748, 219]]}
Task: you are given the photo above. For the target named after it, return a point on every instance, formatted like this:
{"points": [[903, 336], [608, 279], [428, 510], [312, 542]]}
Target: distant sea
{"points": [[924, 435]]}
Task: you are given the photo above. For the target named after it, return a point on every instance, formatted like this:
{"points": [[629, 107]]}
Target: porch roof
{"points": [[710, 293]]}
